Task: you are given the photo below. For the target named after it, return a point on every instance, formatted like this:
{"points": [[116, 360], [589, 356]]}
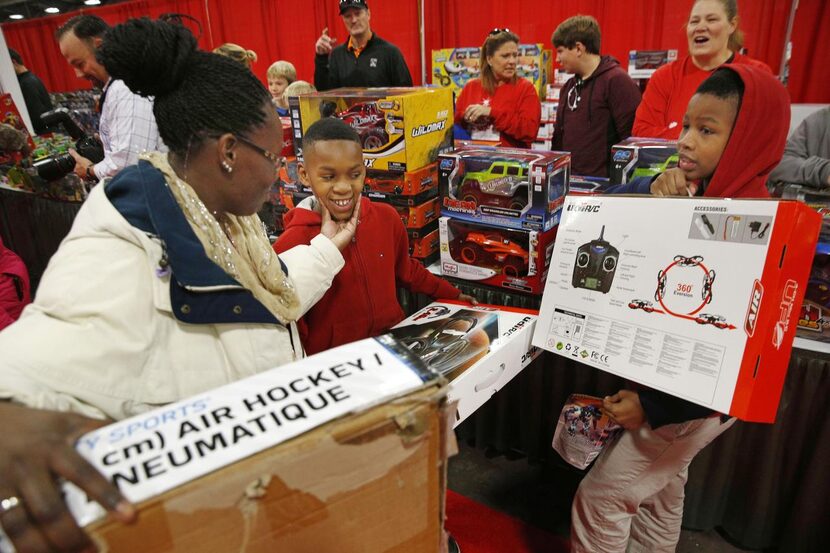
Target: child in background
{"points": [[733, 135], [280, 75], [237, 52], [362, 300], [298, 88]]}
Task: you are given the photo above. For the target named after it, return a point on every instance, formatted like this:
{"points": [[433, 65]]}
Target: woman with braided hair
{"points": [[165, 287]]}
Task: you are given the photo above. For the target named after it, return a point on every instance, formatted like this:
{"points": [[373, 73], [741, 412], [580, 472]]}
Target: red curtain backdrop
{"points": [[278, 29]]}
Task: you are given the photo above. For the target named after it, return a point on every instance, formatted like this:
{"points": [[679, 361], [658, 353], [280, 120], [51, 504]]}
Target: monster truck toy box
{"points": [[504, 187], [479, 349], [641, 157], [401, 129], [342, 451], [506, 258], [697, 298]]}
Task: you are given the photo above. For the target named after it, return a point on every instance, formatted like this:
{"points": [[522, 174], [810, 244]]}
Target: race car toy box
{"points": [[401, 129], [814, 320], [641, 157], [389, 184], [507, 258], [343, 451], [455, 67], [479, 349], [643, 63], [505, 187], [698, 298]]}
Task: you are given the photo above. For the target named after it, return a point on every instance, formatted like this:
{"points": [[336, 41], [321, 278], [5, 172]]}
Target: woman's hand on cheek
{"points": [[340, 233]]}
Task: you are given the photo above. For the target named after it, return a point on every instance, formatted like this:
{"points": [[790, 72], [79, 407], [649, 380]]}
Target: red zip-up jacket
{"points": [[363, 299], [515, 110], [669, 90]]}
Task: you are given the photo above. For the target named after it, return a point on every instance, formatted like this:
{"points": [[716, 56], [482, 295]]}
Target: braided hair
{"points": [[197, 94]]}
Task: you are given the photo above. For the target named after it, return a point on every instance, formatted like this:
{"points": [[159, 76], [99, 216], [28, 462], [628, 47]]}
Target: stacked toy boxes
{"points": [[550, 104], [814, 318], [500, 208], [402, 131], [454, 67]]}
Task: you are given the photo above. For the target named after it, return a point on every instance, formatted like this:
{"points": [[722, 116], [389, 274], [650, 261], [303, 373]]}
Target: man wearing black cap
{"points": [[366, 60]]}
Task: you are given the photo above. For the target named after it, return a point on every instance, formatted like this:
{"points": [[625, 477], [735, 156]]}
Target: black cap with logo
{"points": [[359, 4]]}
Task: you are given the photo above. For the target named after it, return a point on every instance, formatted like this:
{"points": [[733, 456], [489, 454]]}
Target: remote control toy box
{"points": [[698, 298]]}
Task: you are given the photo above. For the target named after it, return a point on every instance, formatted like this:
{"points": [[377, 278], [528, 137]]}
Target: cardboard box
{"points": [[454, 67], [579, 185], [401, 129], [480, 349], [641, 157], [371, 479], [814, 319], [419, 216], [426, 246], [698, 298], [401, 200], [643, 63], [505, 187], [506, 258], [412, 183]]}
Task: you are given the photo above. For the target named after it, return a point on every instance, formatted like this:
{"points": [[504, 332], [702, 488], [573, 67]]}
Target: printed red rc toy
{"points": [[482, 249]]}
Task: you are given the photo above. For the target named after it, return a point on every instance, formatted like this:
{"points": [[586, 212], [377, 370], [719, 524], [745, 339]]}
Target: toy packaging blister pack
{"points": [[479, 349], [504, 187], [583, 430], [507, 258], [643, 63], [641, 157], [401, 129], [707, 313], [579, 185]]}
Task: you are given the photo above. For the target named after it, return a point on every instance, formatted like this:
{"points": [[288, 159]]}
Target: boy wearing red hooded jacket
{"points": [[733, 135], [362, 300]]}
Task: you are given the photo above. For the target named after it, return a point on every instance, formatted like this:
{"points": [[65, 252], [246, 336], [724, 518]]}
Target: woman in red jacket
{"points": [[714, 40], [500, 106]]}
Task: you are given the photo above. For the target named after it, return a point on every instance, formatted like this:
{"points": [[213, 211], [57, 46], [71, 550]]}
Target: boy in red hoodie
{"points": [[362, 300], [733, 135]]}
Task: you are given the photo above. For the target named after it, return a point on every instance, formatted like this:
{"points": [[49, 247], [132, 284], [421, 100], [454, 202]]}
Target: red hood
{"points": [[758, 138]]}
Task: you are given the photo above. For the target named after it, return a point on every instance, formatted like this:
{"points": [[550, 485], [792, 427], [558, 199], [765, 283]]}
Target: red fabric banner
{"points": [[281, 30]]}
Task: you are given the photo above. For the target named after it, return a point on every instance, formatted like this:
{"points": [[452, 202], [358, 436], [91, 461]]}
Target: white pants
{"points": [[632, 499]]}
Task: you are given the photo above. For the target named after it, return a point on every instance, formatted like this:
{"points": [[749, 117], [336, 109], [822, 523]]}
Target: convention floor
{"points": [[540, 494]]}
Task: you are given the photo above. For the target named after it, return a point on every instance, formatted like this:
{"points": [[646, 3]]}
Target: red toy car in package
{"points": [[504, 187], [508, 258]]}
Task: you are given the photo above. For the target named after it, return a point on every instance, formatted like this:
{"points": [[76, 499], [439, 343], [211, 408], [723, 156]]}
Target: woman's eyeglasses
{"points": [[497, 31], [271, 156], [574, 95]]}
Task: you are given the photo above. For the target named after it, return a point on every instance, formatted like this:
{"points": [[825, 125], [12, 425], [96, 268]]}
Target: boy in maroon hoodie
{"points": [[596, 106], [733, 135], [362, 300]]}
